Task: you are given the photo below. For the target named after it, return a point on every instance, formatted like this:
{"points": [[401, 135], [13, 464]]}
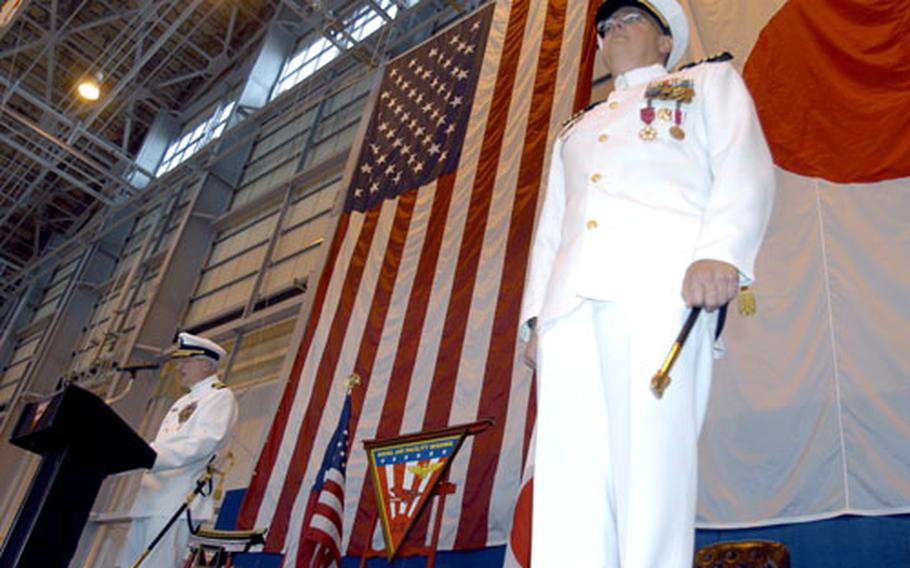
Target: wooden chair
{"points": [[743, 554]]}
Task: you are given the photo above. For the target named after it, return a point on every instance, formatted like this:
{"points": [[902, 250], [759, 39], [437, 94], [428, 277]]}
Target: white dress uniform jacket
{"points": [[623, 218], [195, 428]]}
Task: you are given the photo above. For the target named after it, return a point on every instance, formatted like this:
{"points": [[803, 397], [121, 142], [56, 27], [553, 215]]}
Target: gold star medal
{"points": [[186, 412], [648, 133]]}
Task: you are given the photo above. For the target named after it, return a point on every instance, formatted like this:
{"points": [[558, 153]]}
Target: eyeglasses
{"points": [[608, 25]]}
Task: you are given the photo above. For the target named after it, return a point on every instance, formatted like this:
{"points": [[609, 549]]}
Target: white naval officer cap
{"points": [[669, 15], [189, 345]]}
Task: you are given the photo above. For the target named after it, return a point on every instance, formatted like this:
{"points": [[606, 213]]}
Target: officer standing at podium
{"points": [[193, 430]]}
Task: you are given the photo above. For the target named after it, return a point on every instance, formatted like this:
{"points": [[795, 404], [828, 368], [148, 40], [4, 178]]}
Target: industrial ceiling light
{"points": [[90, 88]]}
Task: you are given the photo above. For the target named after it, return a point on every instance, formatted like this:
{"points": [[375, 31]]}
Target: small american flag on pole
{"points": [[321, 546]]}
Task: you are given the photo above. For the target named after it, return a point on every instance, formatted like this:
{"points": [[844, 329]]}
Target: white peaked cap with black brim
{"points": [[189, 345]]}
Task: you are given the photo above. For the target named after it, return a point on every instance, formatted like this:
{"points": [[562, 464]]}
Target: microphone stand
{"points": [[132, 370]]}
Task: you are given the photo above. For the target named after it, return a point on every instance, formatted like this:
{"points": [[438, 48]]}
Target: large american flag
{"points": [[323, 516], [422, 285]]}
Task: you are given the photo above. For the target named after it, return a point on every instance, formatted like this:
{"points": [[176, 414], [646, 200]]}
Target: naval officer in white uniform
{"points": [[657, 200], [193, 430]]}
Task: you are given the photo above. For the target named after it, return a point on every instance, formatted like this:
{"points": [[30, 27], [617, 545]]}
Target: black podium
{"points": [[82, 440]]}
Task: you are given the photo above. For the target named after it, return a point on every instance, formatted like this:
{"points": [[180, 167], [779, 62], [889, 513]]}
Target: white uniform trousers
{"points": [[615, 469], [170, 552]]}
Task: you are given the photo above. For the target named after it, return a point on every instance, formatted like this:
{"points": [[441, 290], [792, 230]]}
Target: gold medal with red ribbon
{"points": [[648, 132], [676, 130]]}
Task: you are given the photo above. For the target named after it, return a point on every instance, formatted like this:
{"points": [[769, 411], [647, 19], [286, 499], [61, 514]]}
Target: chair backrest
{"points": [[230, 509], [743, 554]]}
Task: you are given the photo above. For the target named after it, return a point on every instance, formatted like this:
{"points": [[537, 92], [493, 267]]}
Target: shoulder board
{"points": [[716, 58], [570, 122]]}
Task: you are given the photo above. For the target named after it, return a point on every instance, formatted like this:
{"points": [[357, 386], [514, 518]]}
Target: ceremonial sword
{"points": [[661, 380]]}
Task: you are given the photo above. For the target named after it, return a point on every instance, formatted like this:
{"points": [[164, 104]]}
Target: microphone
{"points": [[132, 370], [135, 368]]}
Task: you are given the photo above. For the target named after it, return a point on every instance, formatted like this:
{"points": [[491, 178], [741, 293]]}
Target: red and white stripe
{"points": [[420, 296], [326, 524]]}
